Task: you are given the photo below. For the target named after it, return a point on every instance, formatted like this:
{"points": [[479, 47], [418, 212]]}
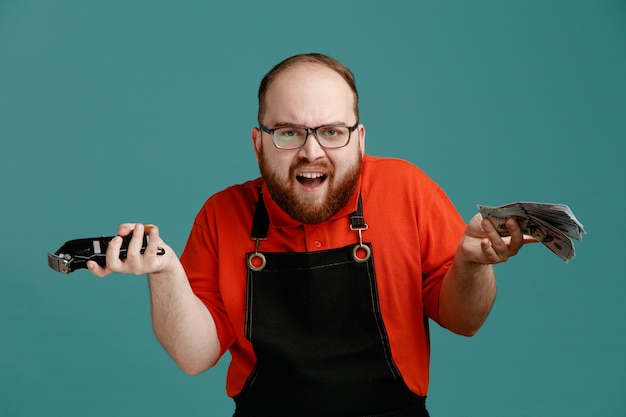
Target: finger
{"points": [[148, 228], [97, 270], [489, 254], [497, 244], [485, 245], [475, 228], [125, 229], [517, 237], [489, 229], [529, 239], [112, 257], [153, 241], [133, 255]]}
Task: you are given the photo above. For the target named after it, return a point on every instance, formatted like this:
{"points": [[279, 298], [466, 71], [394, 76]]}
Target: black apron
{"points": [[321, 347]]}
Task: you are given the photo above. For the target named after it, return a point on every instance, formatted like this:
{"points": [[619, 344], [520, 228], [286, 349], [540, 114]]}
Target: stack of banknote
{"points": [[554, 225]]}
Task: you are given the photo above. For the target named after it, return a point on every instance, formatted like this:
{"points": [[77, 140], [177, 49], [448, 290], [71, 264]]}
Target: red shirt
{"points": [[414, 230]]}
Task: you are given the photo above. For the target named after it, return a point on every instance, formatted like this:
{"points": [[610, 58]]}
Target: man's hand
{"points": [[180, 320], [469, 287], [481, 243], [136, 262]]}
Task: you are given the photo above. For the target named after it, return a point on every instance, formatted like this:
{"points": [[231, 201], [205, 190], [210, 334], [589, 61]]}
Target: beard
{"points": [[305, 208]]}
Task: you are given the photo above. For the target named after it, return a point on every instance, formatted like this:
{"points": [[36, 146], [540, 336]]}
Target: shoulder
{"points": [[232, 202], [395, 172], [247, 191]]}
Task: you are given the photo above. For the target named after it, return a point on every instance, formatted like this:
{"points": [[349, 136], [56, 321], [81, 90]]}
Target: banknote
{"points": [[554, 225]]}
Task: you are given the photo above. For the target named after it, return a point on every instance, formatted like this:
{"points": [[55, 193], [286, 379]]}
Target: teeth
{"points": [[311, 175]]}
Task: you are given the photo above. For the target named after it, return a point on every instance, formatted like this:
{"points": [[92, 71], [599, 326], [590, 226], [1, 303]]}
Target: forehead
{"points": [[309, 94]]}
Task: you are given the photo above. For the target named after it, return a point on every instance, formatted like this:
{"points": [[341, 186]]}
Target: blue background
{"points": [[123, 111]]}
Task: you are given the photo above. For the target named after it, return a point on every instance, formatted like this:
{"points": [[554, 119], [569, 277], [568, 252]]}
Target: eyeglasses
{"points": [[293, 137]]}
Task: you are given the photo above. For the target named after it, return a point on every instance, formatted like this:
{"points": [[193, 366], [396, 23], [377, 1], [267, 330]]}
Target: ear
{"points": [[256, 137], [361, 130]]}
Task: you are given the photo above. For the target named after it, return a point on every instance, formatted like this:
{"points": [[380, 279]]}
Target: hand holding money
{"points": [[554, 225]]}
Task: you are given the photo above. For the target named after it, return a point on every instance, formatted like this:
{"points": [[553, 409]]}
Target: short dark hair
{"points": [[313, 58]]}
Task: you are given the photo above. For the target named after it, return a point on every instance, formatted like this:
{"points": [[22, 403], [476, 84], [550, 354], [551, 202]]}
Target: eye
{"points": [[333, 132], [289, 132]]}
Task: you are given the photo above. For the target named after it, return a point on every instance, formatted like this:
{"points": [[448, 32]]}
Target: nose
{"points": [[311, 150]]}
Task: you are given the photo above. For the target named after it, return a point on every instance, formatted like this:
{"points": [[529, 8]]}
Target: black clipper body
{"points": [[74, 254]]}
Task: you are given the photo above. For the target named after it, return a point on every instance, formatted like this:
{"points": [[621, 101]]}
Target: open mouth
{"points": [[311, 179]]}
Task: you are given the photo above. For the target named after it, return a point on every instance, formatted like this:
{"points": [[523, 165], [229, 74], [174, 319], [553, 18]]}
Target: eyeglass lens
{"points": [[327, 136]]}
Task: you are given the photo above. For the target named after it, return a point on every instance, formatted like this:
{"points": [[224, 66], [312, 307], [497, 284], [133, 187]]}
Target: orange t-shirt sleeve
{"points": [[440, 232], [200, 260]]}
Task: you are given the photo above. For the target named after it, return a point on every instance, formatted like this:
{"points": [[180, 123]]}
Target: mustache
{"points": [[305, 163]]}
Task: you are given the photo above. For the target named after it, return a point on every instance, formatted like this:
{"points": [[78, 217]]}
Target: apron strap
{"points": [[356, 218], [360, 252], [261, 221]]}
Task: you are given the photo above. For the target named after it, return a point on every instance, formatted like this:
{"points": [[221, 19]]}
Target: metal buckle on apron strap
{"points": [[360, 247], [256, 260], [260, 223], [357, 222]]}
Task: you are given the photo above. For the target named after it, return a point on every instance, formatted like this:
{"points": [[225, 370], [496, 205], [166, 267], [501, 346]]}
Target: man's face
{"points": [[310, 183]]}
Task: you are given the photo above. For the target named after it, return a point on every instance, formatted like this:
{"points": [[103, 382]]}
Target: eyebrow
{"points": [[288, 124]]}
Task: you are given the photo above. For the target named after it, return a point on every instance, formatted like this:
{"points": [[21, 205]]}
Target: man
{"points": [[320, 276]]}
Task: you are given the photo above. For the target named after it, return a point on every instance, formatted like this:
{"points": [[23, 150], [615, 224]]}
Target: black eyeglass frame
{"points": [[309, 130]]}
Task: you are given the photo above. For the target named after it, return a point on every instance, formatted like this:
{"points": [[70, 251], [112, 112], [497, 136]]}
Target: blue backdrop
{"points": [[123, 111]]}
